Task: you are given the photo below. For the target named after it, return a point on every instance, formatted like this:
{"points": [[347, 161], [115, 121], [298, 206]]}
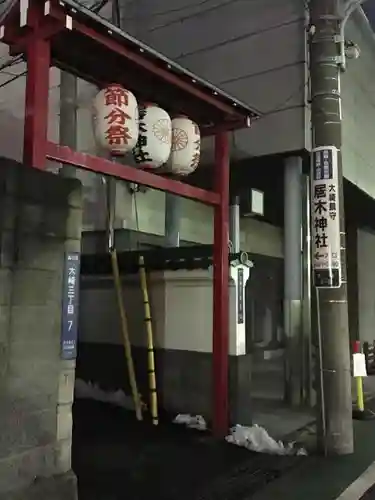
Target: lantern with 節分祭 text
{"points": [[115, 112], [155, 137], [186, 146]]}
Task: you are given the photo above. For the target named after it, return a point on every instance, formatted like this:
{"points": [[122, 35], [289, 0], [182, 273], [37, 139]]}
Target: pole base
{"points": [[363, 415]]}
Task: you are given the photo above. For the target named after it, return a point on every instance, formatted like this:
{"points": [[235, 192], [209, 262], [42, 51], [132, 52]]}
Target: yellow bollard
{"points": [[359, 384], [360, 399]]}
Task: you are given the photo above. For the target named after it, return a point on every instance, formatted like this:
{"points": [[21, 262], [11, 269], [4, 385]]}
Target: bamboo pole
{"points": [[125, 335], [150, 344]]}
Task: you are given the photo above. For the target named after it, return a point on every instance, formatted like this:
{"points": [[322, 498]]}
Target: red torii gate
{"points": [[69, 36]]}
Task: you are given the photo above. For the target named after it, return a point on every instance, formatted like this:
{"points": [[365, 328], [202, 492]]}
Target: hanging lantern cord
{"points": [[110, 212]]}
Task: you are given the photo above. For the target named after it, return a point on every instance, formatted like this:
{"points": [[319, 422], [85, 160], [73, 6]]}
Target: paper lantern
{"points": [[186, 146], [116, 119], [155, 137]]}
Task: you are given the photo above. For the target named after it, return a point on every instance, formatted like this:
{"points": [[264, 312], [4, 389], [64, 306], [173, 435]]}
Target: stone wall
{"points": [[40, 219]]}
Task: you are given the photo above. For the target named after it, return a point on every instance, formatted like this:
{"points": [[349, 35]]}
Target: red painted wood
{"points": [[36, 103], [221, 289], [63, 154]]}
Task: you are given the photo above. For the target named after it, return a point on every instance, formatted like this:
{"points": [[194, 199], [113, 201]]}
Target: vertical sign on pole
{"points": [[70, 305], [326, 252]]}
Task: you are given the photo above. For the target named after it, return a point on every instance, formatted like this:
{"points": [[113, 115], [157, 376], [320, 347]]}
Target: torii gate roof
{"points": [[97, 51]]}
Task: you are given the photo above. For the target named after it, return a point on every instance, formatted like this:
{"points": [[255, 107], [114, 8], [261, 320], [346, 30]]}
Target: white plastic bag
{"points": [[88, 390], [257, 439], [193, 422]]}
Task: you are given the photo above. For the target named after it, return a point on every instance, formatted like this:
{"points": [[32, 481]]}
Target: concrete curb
{"points": [[359, 487]]}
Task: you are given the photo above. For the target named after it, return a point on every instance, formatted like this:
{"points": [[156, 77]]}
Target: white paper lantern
{"points": [[186, 146], [116, 119], [155, 137]]}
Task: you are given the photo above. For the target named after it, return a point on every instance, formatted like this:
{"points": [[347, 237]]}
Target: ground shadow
{"points": [[117, 458]]}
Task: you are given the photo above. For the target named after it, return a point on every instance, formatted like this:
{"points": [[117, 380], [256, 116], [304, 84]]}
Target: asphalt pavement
{"points": [[117, 458], [329, 478]]}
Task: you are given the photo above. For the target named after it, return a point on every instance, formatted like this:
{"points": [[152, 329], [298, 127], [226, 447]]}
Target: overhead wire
{"points": [[299, 88], [170, 11], [96, 7], [296, 92], [194, 14], [9, 64], [280, 107], [12, 79], [99, 4]]}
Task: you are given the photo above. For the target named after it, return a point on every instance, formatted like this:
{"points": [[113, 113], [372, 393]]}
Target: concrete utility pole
{"points": [[325, 49]]}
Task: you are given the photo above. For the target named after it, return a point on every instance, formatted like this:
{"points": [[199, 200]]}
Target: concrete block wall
{"points": [[40, 219]]}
